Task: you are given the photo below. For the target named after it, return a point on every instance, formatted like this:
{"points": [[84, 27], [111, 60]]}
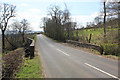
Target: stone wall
{"points": [[86, 45], [29, 48]]}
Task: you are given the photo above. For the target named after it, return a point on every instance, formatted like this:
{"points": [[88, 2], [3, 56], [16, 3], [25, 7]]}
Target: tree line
{"points": [[59, 26]]}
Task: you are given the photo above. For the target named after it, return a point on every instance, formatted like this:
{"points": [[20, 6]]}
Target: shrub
{"points": [[11, 62], [110, 49]]}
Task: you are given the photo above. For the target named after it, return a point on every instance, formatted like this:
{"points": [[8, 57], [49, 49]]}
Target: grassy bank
{"points": [[11, 62], [109, 44], [31, 68], [97, 35]]}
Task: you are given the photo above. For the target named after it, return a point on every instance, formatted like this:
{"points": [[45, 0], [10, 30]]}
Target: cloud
{"points": [[33, 16], [24, 4], [73, 0], [54, 0], [32, 10], [63, 0], [93, 15], [36, 26], [83, 19]]}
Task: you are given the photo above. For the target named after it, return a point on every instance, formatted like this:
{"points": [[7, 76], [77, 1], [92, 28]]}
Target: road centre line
{"points": [[63, 52], [101, 71]]}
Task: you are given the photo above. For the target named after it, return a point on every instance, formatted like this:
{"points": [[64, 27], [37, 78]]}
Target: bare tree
{"points": [[56, 19], [112, 8], [97, 20], [45, 19], [24, 26], [67, 21], [21, 27], [7, 11], [17, 26]]}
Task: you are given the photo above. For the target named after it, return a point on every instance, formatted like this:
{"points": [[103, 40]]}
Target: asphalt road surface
{"points": [[61, 61]]}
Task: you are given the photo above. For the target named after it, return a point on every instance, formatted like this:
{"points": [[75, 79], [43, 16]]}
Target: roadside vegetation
{"points": [[35, 37], [31, 68], [15, 65], [11, 62], [109, 44]]}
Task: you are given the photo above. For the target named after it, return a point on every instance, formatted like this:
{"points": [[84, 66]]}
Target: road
{"points": [[61, 61]]}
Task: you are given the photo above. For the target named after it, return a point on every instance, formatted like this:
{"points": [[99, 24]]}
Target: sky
{"points": [[82, 11]]}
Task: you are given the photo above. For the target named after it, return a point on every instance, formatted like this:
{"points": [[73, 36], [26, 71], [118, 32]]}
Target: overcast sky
{"points": [[82, 11]]}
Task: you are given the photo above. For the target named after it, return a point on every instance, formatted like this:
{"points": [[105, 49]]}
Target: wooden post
{"points": [[90, 38], [104, 18]]}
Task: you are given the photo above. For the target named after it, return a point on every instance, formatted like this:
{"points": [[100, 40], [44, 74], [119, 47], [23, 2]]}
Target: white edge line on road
{"points": [[101, 71], [63, 52]]}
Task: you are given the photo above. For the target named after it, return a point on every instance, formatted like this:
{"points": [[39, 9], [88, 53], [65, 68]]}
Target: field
{"points": [[97, 35], [110, 43]]}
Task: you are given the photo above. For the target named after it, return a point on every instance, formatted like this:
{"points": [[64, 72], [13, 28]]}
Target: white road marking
{"points": [[63, 52], [101, 71]]}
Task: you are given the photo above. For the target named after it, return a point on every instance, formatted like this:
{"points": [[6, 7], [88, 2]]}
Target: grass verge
{"points": [[107, 56], [92, 51], [35, 38], [31, 68]]}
